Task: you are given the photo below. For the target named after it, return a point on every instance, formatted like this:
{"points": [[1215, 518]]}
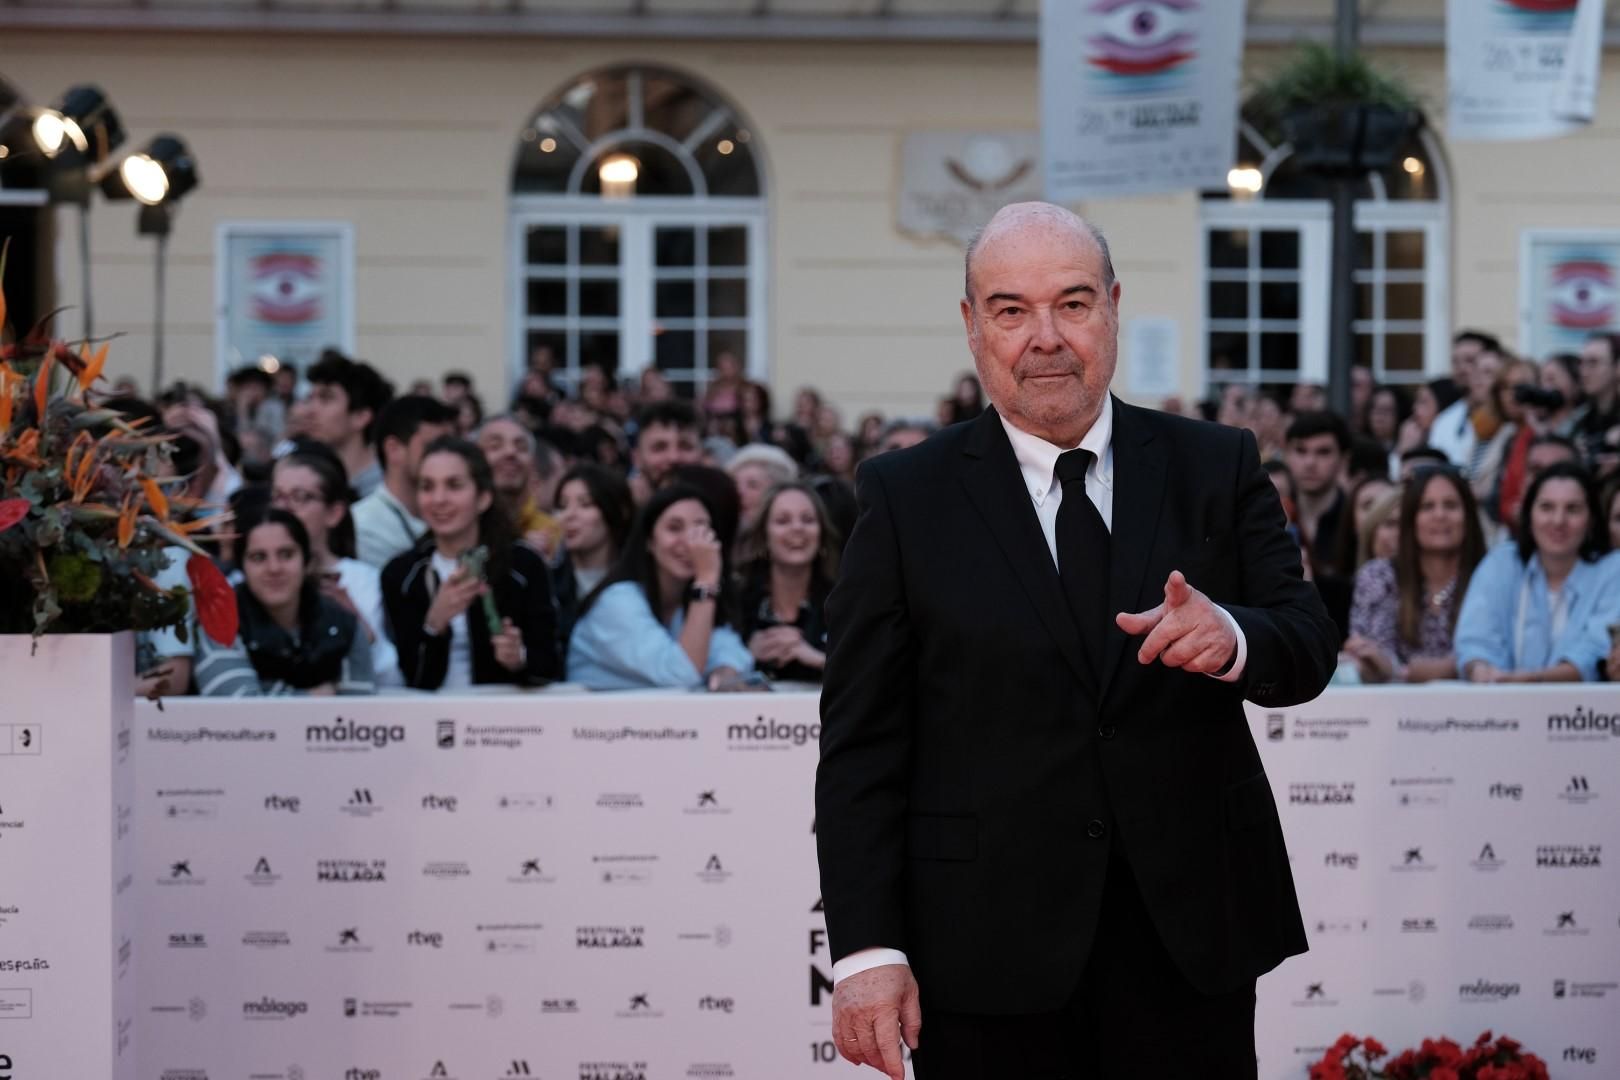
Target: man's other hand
{"points": [[1187, 631], [872, 1011]]}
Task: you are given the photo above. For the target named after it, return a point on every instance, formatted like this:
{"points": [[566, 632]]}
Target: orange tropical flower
{"points": [[92, 364], [155, 498], [215, 599], [126, 524]]}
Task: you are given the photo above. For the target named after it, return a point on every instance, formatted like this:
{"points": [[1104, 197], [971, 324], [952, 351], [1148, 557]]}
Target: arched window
{"points": [[638, 229], [1267, 252]]}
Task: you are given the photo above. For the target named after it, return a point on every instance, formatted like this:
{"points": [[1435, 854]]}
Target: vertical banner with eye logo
{"points": [[285, 290], [1569, 287], [1138, 96], [1521, 69]]}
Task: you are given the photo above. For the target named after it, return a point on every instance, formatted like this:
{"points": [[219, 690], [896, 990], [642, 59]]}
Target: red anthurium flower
{"points": [[216, 600]]}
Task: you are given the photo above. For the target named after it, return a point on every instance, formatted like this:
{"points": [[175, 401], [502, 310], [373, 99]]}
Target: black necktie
{"points": [[1082, 550]]}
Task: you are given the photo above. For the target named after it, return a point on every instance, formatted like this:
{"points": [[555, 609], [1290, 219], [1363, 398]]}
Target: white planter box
{"points": [[66, 856]]}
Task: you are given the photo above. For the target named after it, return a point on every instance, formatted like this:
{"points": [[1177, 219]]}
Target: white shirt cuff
{"points": [[1242, 649], [863, 959]]}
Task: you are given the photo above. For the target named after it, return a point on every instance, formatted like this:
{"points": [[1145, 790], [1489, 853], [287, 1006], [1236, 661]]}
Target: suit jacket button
{"points": [[1107, 731], [1094, 829]]}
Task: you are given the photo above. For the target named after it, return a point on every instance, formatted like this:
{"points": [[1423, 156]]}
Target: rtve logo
{"points": [[1505, 791], [5, 1067], [1345, 859], [289, 803], [433, 939], [358, 1073], [439, 802], [716, 1004], [1586, 1055]]}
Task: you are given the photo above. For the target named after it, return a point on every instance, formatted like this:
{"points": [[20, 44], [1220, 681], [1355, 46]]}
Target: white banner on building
{"points": [[1521, 69], [1138, 96], [625, 888]]}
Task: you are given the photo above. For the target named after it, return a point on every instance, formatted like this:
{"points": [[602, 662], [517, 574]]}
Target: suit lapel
{"points": [[1140, 462], [996, 487]]}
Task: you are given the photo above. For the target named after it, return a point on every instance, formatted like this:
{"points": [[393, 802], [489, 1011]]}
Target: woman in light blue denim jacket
{"points": [[661, 617], [1538, 609]]}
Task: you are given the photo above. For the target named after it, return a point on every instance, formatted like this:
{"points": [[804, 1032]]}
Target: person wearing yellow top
{"points": [[508, 446]]}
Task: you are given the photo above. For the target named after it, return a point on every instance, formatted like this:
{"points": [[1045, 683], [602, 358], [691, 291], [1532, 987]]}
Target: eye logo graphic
{"points": [[1142, 45], [1583, 294], [286, 288]]}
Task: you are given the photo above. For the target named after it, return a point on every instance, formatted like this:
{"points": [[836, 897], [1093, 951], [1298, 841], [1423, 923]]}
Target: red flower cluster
{"points": [[1434, 1059]]}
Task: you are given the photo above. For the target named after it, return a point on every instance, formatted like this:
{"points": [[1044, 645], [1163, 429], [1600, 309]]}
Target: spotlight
{"points": [[618, 173], [161, 173], [86, 122]]}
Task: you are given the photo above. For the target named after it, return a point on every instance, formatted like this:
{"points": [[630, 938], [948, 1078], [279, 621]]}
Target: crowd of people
{"points": [[620, 537]]}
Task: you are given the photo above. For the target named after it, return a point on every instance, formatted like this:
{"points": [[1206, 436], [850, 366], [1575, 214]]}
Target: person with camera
{"points": [[470, 604], [1598, 432]]}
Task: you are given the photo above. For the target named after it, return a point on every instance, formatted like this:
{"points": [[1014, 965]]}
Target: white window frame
{"points": [[636, 219], [1314, 223], [1429, 218]]}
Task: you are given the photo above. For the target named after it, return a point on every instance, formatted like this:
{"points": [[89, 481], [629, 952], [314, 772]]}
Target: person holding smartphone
{"points": [[462, 616], [662, 616]]}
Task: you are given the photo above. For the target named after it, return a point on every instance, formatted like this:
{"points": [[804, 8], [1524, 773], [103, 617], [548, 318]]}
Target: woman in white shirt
{"points": [[311, 484]]}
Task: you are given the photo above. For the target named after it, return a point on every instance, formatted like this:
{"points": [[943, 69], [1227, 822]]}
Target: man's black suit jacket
{"points": [[976, 764]]}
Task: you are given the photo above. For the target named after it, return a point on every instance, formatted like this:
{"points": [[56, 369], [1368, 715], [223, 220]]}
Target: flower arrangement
{"points": [[84, 517], [1435, 1059]]}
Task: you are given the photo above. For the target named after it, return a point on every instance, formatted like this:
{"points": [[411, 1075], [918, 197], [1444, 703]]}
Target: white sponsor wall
{"points": [[573, 887]]}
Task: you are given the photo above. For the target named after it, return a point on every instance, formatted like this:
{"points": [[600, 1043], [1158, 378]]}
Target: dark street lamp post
{"points": [[1342, 311]]}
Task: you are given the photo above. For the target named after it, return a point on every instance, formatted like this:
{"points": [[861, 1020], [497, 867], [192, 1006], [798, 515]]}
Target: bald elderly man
{"points": [[1047, 845]]}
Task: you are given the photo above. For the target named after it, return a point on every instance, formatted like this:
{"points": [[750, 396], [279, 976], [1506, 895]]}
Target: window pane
{"points": [[545, 159], [1364, 301], [1403, 352], [1279, 250], [1364, 251], [599, 245], [1403, 301], [1279, 352], [675, 247], [548, 297], [1279, 301], [548, 245], [1403, 250], [599, 347], [1229, 247], [728, 298], [599, 297], [675, 349], [1228, 300], [1364, 350], [728, 162], [675, 300], [1228, 351], [728, 246], [672, 107]]}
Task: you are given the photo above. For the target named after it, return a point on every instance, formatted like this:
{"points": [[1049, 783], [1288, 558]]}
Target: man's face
{"points": [[1487, 366], [1597, 368], [1043, 328], [328, 417], [661, 447], [510, 452], [1315, 462], [452, 393], [1463, 354], [1543, 456], [425, 434]]}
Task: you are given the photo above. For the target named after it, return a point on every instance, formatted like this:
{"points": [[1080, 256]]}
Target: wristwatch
{"points": [[696, 592]]}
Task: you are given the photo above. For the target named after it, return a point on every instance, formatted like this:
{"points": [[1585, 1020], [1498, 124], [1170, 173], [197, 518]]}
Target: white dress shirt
{"points": [[1037, 461]]}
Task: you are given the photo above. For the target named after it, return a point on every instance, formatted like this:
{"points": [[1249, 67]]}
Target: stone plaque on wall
{"points": [[951, 182]]}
